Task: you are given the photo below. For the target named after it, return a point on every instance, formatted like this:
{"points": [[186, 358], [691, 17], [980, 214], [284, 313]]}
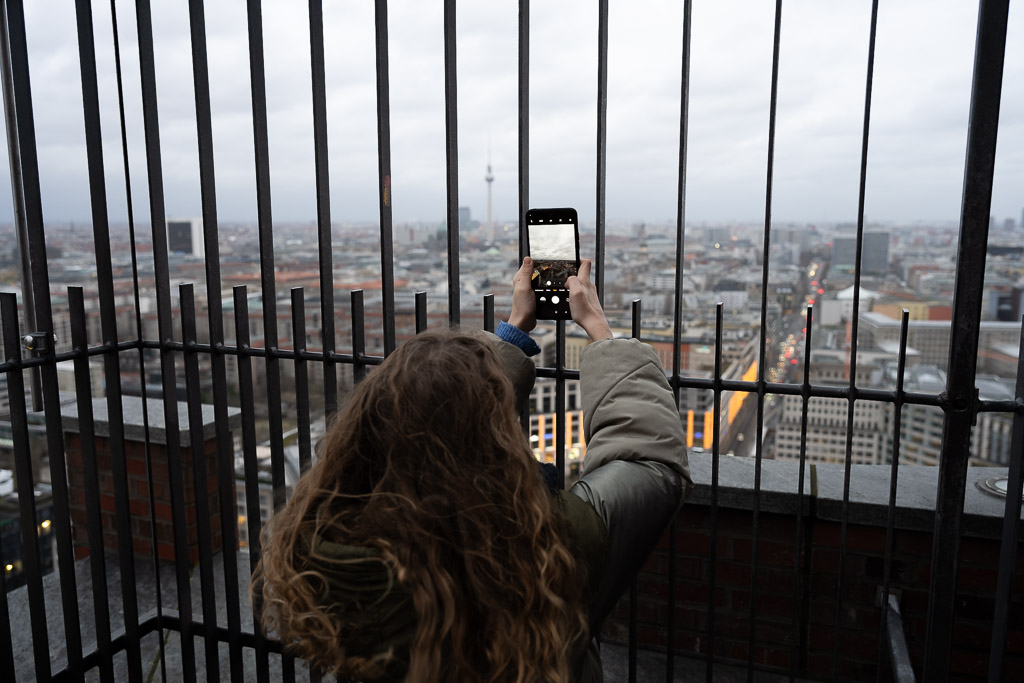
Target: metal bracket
{"points": [[36, 343]]}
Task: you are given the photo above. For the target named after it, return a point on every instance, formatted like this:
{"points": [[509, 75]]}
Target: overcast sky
{"points": [[918, 119]]}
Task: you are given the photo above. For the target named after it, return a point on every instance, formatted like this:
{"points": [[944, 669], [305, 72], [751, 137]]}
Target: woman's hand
{"points": [[524, 302], [584, 304]]}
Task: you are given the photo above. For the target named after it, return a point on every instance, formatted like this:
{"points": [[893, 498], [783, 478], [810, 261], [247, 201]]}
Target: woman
{"points": [[424, 545]]}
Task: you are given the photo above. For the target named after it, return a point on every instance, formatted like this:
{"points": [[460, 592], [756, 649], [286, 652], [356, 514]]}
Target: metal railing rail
{"points": [[960, 395], [854, 325], [902, 669], [959, 401]]}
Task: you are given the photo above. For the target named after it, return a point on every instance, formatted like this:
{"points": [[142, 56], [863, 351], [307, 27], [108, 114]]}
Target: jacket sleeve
{"points": [[635, 473]]}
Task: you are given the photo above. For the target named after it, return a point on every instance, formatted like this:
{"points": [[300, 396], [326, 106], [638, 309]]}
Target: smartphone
{"points": [[553, 243]]}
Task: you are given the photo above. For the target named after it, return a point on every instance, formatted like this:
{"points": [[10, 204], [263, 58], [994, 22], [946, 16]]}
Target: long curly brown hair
{"points": [[428, 470]]}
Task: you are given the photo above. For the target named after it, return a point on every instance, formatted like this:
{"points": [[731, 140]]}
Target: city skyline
{"points": [[918, 116]]}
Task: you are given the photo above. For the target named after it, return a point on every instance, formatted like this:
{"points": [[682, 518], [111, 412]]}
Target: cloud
{"points": [[919, 111]]}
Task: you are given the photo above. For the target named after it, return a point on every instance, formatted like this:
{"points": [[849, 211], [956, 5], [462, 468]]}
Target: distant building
{"points": [[838, 310], [544, 424], [185, 236], [731, 292], [921, 426], [799, 238], [931, 337], [874, 255], [827, 417], [663, 280], [465, 219], [999, 359], [990, 441], [717, 236]]}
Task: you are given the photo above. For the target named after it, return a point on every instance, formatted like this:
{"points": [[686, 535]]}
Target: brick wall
{"points": [[138, 497], [814, 606]]}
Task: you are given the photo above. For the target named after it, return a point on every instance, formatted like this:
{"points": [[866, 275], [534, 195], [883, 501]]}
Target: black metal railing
{"points": [[192, 357]]}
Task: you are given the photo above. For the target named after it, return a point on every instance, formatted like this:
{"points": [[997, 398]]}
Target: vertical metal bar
{"points": [[854, 324], [602, 142], [963, 357], [890, 524], [805, 396], [129, 599], [489, 312], [387, 264], [154, 175], [421, 311], [684, 114], [215, 317], [111, 364], [559, 415], [451, 120], [323, 204], [634, 593], [26, 485], [1011, 524], [301, 379], [201, 491], [762, 348], [358, 337], [715, 448], [44, 319], [264, 218], [18, 192], [524, 122], [251, 466], [91, 485], [677, 327]]}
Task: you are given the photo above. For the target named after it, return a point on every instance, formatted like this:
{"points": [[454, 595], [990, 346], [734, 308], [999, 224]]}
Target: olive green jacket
{"points": [[635, 474]]}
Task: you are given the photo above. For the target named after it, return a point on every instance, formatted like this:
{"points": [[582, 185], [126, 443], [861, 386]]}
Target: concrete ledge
{"points": [[868, 493], [134, 427]]}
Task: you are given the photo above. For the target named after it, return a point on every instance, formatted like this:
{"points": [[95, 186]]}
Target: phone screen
{"points": [[553, 250], [554, 247]]}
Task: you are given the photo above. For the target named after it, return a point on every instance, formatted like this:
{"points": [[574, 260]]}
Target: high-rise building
{"points": [[465, 219], [874, 255], [185, 236]]}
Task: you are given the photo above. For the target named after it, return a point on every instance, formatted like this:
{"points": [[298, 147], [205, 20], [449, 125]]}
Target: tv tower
{"points": [[490, 181]]}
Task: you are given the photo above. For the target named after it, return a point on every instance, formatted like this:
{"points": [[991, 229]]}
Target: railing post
{"points": [[36, 245], [387, 261], [963, 347], [524, 122]]}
